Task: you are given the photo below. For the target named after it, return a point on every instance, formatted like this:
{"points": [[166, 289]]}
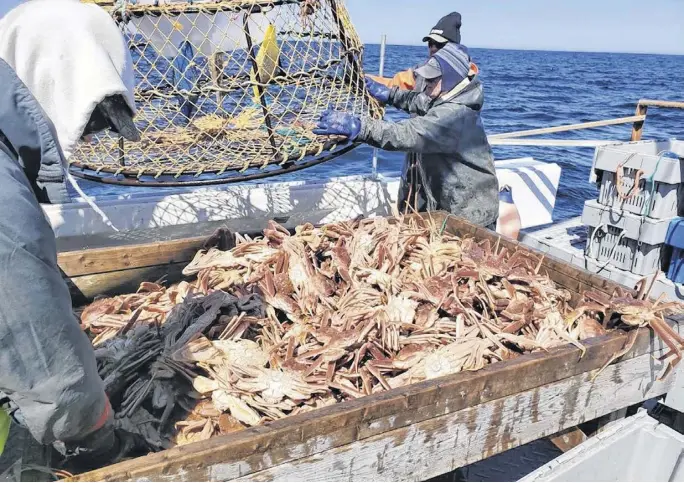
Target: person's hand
{"points": [[379, 91], [335, 123], [104, 447], [222, 239]]}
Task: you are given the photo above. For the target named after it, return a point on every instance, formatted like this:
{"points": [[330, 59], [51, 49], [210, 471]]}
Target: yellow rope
{"points": [[237, 120]]}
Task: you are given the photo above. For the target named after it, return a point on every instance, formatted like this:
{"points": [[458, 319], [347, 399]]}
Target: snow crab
{"points": [[640, 312]]}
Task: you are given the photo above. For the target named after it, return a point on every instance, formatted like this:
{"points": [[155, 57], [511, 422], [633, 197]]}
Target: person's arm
{"points": [[407, 100], [410, 101], [436, 132], [47, 364]]}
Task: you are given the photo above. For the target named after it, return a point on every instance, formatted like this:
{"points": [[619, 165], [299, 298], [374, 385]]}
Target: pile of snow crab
{"points": [[345, 311]]}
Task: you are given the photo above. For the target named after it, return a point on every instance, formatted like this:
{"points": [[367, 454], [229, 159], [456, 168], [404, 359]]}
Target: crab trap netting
{"points": [[230, 89]]}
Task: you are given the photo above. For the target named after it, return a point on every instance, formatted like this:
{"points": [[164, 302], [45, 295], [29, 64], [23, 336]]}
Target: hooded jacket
{"points": [[47, 365], [455, 160]]}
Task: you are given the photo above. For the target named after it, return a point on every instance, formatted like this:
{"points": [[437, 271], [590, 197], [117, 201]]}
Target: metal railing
{"points": [[638, 120], [642, 110]]}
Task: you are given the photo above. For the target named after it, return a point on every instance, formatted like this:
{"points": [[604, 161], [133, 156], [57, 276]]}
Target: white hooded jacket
{"points": [[71, 56]]}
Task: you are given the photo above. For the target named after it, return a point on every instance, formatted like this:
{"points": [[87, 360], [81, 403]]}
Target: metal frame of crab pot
{"points": [[412, 433]]}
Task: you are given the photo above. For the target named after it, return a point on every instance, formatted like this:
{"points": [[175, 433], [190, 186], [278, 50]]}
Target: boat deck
{"points": [[567, 240]]}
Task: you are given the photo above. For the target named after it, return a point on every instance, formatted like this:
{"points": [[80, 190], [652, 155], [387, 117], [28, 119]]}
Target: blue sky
{"points": [[655, 26]]}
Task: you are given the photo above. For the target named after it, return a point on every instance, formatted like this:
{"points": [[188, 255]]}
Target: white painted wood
{"points": [[534, 186], [324, 202], [440, 445], [566, 143]]}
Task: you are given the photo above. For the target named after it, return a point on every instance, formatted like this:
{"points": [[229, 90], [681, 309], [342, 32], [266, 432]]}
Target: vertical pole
{"points": [[216, 64], [251, 49], [638, 127], [383, 45], [122, 152]]}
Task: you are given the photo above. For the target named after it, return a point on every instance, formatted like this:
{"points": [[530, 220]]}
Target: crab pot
{"points": [[229, 89]]}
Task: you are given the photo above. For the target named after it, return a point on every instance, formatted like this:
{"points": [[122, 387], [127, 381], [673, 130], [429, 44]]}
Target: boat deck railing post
{"points": [[642, 110], [381, 72]]}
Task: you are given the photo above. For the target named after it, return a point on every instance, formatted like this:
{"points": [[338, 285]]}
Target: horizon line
{"points": [[547, 50]]}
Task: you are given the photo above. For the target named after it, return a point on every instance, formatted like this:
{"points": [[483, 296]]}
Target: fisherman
{"points": [[446, 140], [66, 73]]}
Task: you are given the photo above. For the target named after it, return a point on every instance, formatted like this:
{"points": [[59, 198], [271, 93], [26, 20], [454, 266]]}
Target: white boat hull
{"points": [[534, 187]]}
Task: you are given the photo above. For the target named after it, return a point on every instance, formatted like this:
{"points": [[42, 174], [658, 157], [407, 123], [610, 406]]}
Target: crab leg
{"points": [[515, 327], [539, 265], [330, 373], [665, 334], [672, 332], [289, 354], [360, 354], [627, 347], [314, 367], [366, 330], [347, 390], [378, 375], [366, 382]]}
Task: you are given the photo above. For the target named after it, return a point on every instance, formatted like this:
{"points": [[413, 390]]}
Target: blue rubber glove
{"points": [[335, 123], [378, 90]]}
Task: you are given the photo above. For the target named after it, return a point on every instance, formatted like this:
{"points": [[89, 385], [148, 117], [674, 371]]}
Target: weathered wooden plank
{"points": [[665, 104], [87, 287], [339, 425], [568, 439], [247, 225], [113, 259], [138, 236], [440, 445]]}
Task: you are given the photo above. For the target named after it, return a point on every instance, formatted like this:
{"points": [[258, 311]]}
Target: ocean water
{"points": [[527, 90]]}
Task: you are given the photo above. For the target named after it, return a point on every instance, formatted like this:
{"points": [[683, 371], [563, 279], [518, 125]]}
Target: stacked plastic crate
{"points": [[641, 195]]}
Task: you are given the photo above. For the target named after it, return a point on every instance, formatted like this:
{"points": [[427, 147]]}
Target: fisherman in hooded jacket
{"points": [[48, 374], [445, 137]]}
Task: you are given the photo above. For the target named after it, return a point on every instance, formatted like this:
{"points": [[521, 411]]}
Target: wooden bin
{"points": [[412, 433]]}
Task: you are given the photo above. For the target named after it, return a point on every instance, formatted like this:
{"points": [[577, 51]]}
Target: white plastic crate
{"points": [[624, 240], [640, 259], [636, 449], [655, 170]]}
